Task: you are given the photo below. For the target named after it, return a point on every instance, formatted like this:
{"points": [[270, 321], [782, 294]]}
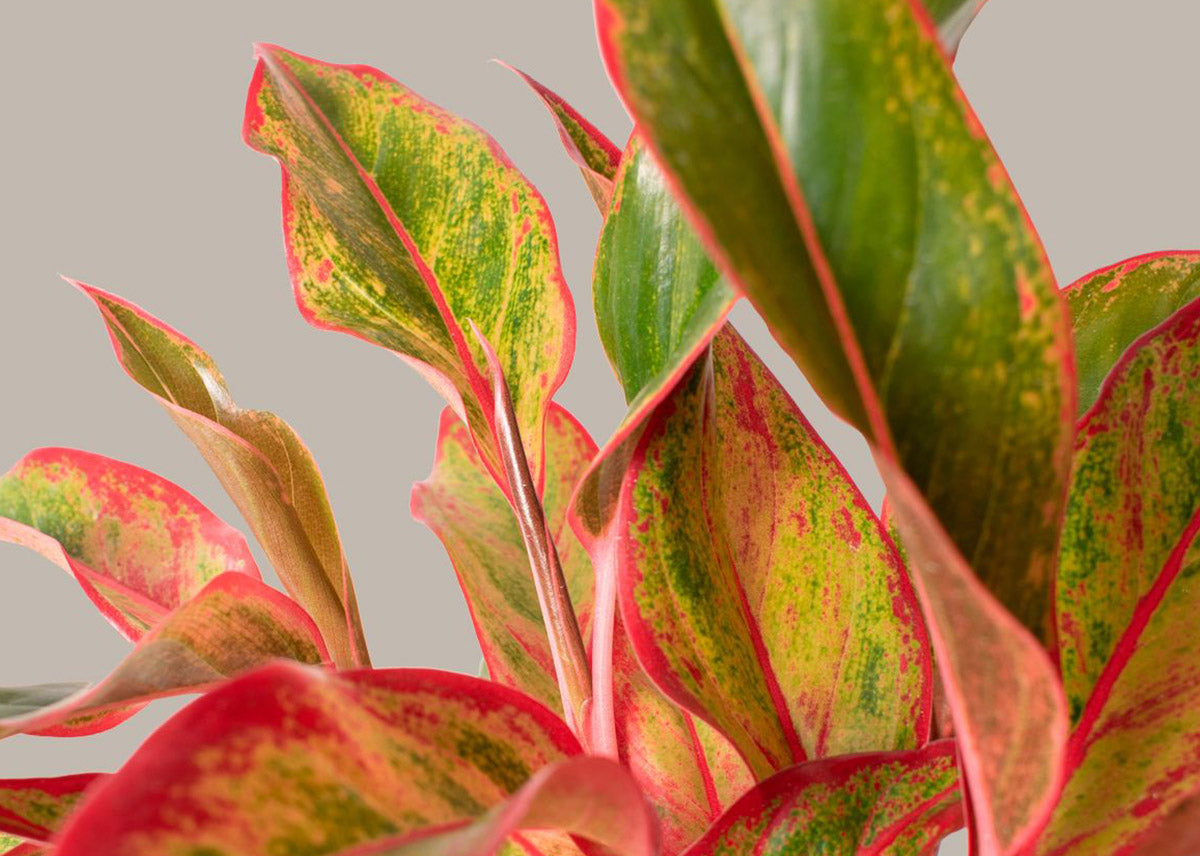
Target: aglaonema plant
{"points": [[699, 638]]}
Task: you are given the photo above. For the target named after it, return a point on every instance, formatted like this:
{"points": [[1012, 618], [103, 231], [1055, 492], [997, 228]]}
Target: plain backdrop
{"points": [[123, 166]]}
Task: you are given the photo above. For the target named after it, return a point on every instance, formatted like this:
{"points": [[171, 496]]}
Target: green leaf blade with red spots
{"points": [[262, 463], [760, 590], [463, 506], [231, 626], [898, 804], [404, 222], [138, 545], [1135, 486], [1112, 307], [292, 759]]}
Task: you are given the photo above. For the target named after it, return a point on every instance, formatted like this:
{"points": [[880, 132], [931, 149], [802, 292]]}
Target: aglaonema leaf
{"points": [[402, 223], [258, 458], [463, 506], [232, 625], [952, 18], [138, 545], [1113, 307], [592, 798], [1135, 753], [297, 760], [848, 190], [760, 590], [1135, 485], [32, 809], [897, 803], [595, 154]]}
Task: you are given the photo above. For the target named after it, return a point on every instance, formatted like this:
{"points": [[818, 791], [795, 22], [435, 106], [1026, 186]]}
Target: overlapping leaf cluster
{"points": [[699, 638]]}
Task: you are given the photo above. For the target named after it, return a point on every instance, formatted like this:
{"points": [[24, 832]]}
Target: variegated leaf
{"points": [[403, 222], [1135, 753], [1135, 485], [291, 759], [138, 545], [232, 625], [879, 804], [760, 590], [594, 154], [463, 506], [260, 460], [1112, 307], [592, 798], [32, 809]]}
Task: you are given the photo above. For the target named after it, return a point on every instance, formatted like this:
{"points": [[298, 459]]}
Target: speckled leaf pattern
{"points": [[595, 154], [403, 222], [138, 545], [592, 798], [908, 285], [1114, 306], [1006, 701], [686, 768], [234, 624], [258, 458], [1135, 754], [32, 809], [760, 590], [879, 804], [1135, 485], [658, 301], [291, 759], [463, 506]]}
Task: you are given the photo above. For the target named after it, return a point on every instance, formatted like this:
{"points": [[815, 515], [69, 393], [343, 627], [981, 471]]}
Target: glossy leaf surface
{"points": [[463, 506], [592, 798], [952, 18], [33, 809], [258, 458], [403, 222], [1113, 307], [295, 760], [760, 590], [595, 154], [1004, 694], [1135, 754], [907, 284], [232, 625], [1135, 485], [899, 804], [138, 545]]}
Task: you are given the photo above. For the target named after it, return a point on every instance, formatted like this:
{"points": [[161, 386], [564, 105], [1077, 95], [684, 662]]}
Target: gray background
{"points": [[123, 166]]}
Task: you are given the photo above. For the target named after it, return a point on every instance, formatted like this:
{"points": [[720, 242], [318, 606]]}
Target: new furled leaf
{"points": [[292, 759], [878, 804], [403, 222], [258, 458], [760, 590]]}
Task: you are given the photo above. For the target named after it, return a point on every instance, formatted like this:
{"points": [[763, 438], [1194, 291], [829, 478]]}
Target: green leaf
{"points": [[463, 506], [840, 179], [138, 545], [1114, 306], [1135, 754], [291, 759], [1135, 485], [594, 154], [898, 804], [231, 626], [592, 798], [258, 458], [403, 222], [760, 590], [658, 302], [952, 18], [1004, 694], [32, 809]]}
